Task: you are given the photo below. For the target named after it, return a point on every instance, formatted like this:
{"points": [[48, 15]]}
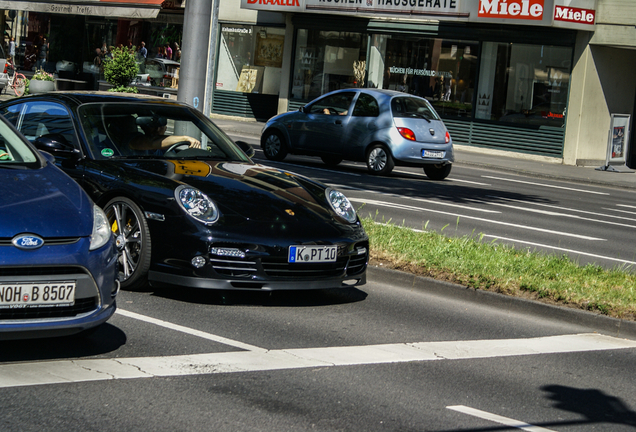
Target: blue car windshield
{"points": [[14, 152], [126, 130]]}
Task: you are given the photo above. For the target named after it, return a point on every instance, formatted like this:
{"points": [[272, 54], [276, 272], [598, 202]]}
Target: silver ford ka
{"points": [[383, 128]]}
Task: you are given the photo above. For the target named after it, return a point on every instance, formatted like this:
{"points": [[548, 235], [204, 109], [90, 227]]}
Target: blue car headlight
{"points": [[197, 204], [341, 205], [101, 229]]}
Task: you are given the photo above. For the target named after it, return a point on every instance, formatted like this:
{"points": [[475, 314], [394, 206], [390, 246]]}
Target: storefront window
{"points": [[524, 84], [442, 71], [327, 61], [250, 59]]}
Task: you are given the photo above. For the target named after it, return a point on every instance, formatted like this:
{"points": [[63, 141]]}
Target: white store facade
{"points": [[540, 78]]}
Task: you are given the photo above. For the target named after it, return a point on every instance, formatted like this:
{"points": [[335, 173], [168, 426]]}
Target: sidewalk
{"points": [[518, 163]]}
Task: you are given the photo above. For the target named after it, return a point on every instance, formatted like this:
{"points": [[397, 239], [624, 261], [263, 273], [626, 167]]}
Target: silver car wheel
{"points": [[274, 147], [379, 161]]}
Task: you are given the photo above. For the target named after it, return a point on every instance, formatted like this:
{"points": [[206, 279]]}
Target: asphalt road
{"points": [[381, 358], [394, 355]]}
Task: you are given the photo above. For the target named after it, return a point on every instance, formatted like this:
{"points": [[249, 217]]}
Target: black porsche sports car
{"points": [[186, 204]]}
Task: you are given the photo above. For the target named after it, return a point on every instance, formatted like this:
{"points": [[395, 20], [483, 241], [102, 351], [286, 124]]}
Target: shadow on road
{"points": [[105, 339], [594, 407], [291, 298]]}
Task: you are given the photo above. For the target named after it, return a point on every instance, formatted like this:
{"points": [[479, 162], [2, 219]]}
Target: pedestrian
{"points": [[43, 54], [12, 49], [143, 51], [168, 51], [176, 52], [97, 61]]}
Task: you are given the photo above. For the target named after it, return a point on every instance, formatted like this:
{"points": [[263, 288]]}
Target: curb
{"points": [[596, 322]]}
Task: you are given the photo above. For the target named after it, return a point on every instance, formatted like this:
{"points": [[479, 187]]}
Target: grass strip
{"points": [[475, 263]]}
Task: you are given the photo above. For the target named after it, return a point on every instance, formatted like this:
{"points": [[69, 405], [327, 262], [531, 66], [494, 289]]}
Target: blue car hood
{"points": [[43, 201]]}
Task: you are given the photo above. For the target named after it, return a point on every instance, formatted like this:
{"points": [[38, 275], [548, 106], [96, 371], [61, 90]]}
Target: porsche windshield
{"points": [[154, 131]]}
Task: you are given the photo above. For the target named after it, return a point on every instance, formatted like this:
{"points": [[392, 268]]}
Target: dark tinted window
{"points": [[46, 118], [366, 106]]}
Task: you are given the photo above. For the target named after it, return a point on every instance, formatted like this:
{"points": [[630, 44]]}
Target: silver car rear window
{"points": [[411, 107]]}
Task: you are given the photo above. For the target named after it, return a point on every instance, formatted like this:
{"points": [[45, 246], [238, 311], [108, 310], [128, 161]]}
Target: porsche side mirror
{"points": [[247, 149], [55, 144]]}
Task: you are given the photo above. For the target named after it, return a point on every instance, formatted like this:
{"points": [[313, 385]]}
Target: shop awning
{"points": [[105, 8]]}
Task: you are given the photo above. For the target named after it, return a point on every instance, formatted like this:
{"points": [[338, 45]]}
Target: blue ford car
{"points": [[58, 260]]}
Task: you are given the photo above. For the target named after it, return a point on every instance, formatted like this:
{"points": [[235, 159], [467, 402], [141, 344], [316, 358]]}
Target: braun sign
{"points": [[511, 9]]}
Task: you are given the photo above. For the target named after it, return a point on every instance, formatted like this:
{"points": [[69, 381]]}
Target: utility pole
{"points": [[197, 69]]}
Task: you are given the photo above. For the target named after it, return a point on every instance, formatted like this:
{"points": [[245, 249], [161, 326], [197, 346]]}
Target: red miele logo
{"points": [[275, 2], [570, 14], [511, 9]]}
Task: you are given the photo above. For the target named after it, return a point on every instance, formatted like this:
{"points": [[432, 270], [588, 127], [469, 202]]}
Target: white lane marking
{"points": [[422, 200], [565, 215], [560, 208], [468, 181], [68, 371], [446, 180], [619, 211], [190, 331], [419, 209], [498, 419], [546, 185], [560, 249], [313, 168], [625, 205]]}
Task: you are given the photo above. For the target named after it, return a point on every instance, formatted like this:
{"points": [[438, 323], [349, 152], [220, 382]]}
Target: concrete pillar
{"points": [[288, 62]]}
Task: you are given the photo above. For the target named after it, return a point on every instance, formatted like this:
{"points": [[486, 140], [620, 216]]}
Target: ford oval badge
{"points": [[27, 241]]}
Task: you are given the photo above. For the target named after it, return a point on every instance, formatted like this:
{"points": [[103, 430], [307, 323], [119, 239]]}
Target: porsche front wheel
{"points": [[132, 238]]}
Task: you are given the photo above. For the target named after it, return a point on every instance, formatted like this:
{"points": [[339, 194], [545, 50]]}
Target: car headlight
{"points": [[101, 229], [197, 204], [341, 205]]}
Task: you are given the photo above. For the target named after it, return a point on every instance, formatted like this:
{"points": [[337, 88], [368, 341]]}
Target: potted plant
{"points": [[120, 70], [41, 82]]}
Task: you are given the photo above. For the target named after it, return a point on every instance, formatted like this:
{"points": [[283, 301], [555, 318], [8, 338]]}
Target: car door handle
{"points": [[339, 122]]}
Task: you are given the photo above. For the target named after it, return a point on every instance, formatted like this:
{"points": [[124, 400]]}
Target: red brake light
{"points": [[6, 65], [447, 137], [407, 133]]}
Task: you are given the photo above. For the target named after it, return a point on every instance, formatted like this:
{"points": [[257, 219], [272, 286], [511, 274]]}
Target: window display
{"points": [[524, 84], [327, 61], [442, 71], [250, 59]]}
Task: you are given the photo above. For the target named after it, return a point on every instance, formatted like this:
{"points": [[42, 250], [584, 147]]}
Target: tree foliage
{"points": [[121, 69]]}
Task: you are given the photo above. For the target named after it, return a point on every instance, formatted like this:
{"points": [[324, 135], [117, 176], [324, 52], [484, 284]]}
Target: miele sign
{"points": [[569, 14], [574, 15], [511, 9]]}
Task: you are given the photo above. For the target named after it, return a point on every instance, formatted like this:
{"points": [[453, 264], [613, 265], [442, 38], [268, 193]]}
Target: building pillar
{"points": [[286, 69]]}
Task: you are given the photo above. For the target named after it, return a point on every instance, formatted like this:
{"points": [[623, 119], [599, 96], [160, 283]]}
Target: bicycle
{"points": [[17, 81]]}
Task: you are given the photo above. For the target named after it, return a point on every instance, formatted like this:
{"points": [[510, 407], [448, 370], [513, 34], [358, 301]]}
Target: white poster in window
{"points": [[339, 60]]}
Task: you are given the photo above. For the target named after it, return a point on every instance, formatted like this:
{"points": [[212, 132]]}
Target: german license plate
{"points": [[312, 254], [436, 154], [25, 295]]}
